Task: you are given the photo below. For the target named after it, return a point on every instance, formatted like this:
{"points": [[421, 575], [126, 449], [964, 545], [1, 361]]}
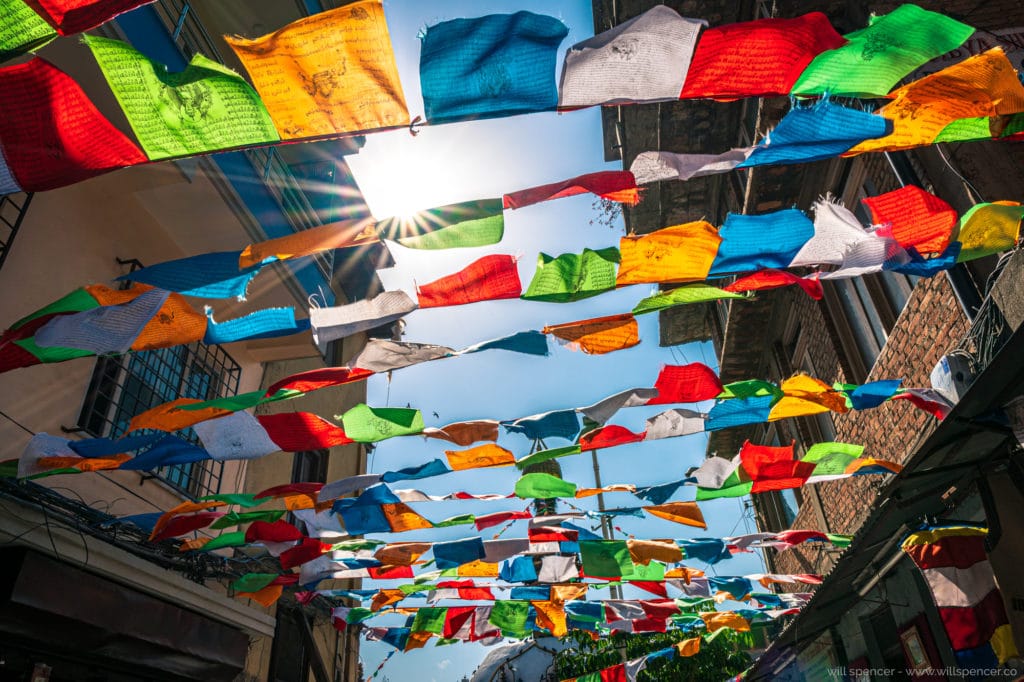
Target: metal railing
{"points": [[13, 208]]}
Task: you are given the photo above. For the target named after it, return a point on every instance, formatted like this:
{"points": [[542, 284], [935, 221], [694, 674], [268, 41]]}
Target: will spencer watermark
{"points": [[865, 674]]}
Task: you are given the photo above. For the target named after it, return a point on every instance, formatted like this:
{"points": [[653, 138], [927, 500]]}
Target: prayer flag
{"points": [[607, 437], [488, 455], [803, 396], [44, 109], [329, 73], [755, 242], [384, 355], [315, 379], [429, 620], [543, 486], [545, 455], [489, 66], [601, 411], [954, 563], [330, 324], [686, 384], [686, 513], [655, 166], [617, 186], [644, 551], [572, 277], [815, 132], [402, 518], [402, 553], [551, 616], [168, 417], [873, 393], [103, 330], [836, 229], [207, 107], [605, 558], [914, 218], [263, 324], [988, 228], [489, 520], [235, 436], [599, 335], [559, 424], [309, 242], [456, 226], [529, 343], [24, 30], [75, 16], [302, 431], [487, 279], [774, 279], [682, 295], [182, 525], [757, 58], [557, 569], [681, 253], [644, 59], [984, 85], [510, 617], [434, 467], [365, 424], [716, 620], [455, 553], [465, 433], [208, 275], [876, 58]]}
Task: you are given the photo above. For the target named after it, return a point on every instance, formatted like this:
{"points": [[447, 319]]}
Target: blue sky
{"points": [[399, 173]]}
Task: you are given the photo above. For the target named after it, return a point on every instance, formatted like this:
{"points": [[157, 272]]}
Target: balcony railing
{"points": [[13, 208]]}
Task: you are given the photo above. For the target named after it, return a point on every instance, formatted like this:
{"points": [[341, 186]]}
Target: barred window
{"points": [[124, 386]]}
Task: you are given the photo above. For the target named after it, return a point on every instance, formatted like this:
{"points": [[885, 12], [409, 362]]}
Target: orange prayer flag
{"points": [[681, 253], [465, 433], [716, 620], [644, 551], [803, 396], [551, 615], [265, 597], [193, 544], [333, 72], [613, 488], [981, 86], [478, 569], [488, 455], [688, 647], [174, 324], [168, 417], [563, 593], [386, 598], [83, 463], [599, 335], [686, 513], [402, 553], [186, 507], [417, 640], [309, 242], [684, 573], [401, 517], [300, 501]]}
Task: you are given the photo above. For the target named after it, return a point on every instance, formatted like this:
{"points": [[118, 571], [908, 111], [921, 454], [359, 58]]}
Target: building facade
{"points": [[117, 608], [878, 326]]}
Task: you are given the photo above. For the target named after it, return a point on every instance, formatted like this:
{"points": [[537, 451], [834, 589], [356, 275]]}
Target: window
{"points": [[127, 385]]}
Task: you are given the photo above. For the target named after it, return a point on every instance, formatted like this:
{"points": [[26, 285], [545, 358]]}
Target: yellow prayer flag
{"points": [[599, 335], [401, 553], [386, 597], [478, 569], [309, 242], [803, 396], [686, 513], [563, 593], [681, 253], [717, 620], [333, 72], [989, 228], [551, 615], [688, 647], [401, 517], [984, 85], [487, 455], [644, 551]]}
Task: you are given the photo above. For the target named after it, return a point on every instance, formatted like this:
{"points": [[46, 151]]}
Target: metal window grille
{"points": [[13, 208], [127, 385]]}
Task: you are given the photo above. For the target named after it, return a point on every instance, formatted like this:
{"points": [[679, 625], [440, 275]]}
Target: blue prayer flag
{"points": [[490, 66], [736, 586], [531, 593], [757, 242], [435, 467], [519, 570], [105, 447], [208, 275], [458, 552], [874, 393], [562, 424], [361, 519], [708, 550], [926, 267], [738, 412], [168, 450], [530, 343], [262, 324], [376, 495]]}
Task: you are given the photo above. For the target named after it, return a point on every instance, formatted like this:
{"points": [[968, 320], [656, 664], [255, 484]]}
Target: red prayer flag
{"points": [[75, 16], [302, 431], [773, 279], [609, 436], [796, 537], [552, 534], [489, 520], [315, 379], [488, 279], [307, 550], [648, 625], [278, 531], [287, 579], [287, 489], [390, 572], [754, 457], [686, 384], [782, 475], [456, 619], [660, 609], [650, 586], [180, 525], [51, 134], [918, 218], [757, 58], [617, 673], [612, 185]]}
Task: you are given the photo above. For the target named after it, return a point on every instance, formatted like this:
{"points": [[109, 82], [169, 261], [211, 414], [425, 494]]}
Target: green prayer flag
{"points": [[736, 485], [751, 388], [233, 539], [964, 129], [877, 57], [589, 677], [236, 518], [243, 401], [207, 107], [544, 486], [1014, 125], [652, 572], [545, 455], [606, 558], [510, 616], [241, 499], [460, 520], [683, 295], [840, 541], [456, 226], [353, 545], [253, 582], [52, 353], [21, 29], [572, 277], [365, 424], [429, 619], [78, 301], [820, 451], [413, 589], [446, 642], [358, 614]]}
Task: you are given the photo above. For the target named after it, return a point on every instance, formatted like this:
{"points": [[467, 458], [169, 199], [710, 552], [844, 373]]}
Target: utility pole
{"points": [[607, 531]]}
